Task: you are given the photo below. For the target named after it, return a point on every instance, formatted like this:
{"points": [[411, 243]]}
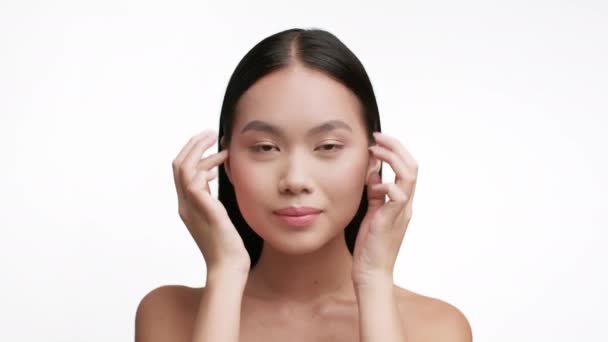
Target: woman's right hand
{"points": [[205, 216]]}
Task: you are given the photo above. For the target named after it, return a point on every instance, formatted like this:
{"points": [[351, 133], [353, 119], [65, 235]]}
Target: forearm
{"points": [[219, 314], [379, 315]]}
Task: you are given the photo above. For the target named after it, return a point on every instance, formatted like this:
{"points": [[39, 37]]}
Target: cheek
{"points": [[344, 185], [251, 188], [248, 178], [347, 176]]}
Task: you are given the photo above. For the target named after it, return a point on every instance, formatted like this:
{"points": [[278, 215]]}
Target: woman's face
{"points": [[298, 140]]}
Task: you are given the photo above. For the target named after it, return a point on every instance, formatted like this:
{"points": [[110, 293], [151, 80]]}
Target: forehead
{"points": [[298, 97]]}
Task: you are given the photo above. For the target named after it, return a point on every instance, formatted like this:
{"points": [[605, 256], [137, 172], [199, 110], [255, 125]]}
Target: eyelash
{"points": [[256, 148]]}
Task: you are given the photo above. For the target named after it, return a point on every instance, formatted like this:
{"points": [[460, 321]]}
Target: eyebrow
{"points": [[262, 126]]}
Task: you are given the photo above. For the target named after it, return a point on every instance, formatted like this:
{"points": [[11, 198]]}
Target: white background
{"points": [[503, 104]]}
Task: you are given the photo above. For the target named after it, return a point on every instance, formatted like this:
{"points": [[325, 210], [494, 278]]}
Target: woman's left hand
{"points": [[384, 225]]}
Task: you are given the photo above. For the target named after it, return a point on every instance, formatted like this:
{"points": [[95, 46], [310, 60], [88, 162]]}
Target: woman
{"points": [[301, 242]]}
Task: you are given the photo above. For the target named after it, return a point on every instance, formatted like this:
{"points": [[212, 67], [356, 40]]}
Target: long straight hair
{"points": [[316, 49]]}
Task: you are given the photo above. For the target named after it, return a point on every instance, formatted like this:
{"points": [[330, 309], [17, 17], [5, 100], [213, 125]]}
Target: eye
{"points": [[263, 148], [260, 148], [327, 147]]}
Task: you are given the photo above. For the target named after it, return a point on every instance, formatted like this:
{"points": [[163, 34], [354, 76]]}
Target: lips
{"points": [[297, 211]]}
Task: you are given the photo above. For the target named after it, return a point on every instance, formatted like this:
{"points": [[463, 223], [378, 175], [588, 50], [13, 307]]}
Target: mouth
{"points": [[299, 220], [297, 211]]}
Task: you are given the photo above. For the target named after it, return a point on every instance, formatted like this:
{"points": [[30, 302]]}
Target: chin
{"points": [[294, 247]]}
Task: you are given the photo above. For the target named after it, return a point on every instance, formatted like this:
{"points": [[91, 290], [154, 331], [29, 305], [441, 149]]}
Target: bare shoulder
{"points": [[432, 319], [166, 313]]}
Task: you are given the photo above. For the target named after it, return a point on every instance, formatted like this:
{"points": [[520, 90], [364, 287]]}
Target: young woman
{"points": [[301, 243]]}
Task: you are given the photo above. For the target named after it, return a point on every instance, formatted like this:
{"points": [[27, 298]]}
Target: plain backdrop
{"points": [[502, 103]]}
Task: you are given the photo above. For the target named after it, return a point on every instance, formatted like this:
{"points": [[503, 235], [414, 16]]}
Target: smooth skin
{"points": [[304, 280], [168, 313]]}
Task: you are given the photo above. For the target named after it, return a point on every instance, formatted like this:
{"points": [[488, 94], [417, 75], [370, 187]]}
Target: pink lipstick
{"points": [[298, 216]]}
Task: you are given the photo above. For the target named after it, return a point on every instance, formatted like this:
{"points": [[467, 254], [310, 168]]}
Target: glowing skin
{"points": [[299, 165], [301, 286]]}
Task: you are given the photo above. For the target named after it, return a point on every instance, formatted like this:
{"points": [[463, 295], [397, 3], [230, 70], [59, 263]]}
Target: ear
{"points": [[227, 160], [372, 167]]}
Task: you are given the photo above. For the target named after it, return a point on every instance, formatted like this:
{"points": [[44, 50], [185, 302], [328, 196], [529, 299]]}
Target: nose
{"points": [[294, 177]]}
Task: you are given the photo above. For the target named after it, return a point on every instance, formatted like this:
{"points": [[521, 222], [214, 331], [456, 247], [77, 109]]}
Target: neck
{"points": [[303, 277]]}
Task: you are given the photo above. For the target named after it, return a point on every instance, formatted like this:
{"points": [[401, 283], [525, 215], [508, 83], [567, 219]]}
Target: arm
{"points": [[380, 318], [160, 316], [379, 315], [219, 314]]}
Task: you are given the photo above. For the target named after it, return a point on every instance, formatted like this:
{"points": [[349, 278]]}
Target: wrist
{"points": [[373, 282], [226, 276]]}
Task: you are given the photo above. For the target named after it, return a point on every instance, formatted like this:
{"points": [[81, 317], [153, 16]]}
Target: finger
{"points": [[395, 145], [188, 167], [200, 196], [197, 186], [397, 199], [211, 175], [402, 173], [212, 161], [193, 140], [375, 197], [394, 193], [179, 159]]}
